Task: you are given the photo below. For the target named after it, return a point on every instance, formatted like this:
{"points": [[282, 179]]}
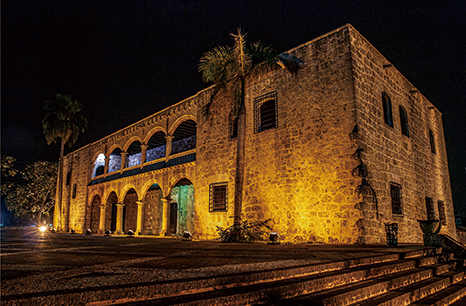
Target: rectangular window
{"points": [[218, 197], [441, 212], [395, 192], [265, 112], [430, 208]]}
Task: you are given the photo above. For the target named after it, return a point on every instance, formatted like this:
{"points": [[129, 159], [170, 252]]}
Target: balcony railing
{"points": [[176, 159]]}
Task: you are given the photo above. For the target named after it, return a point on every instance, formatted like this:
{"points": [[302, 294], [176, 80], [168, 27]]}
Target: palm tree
{"points": [[63, 121], [229, 69]]}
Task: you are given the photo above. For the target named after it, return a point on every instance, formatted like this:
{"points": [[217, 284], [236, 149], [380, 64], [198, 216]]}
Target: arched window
{"points": [[387, 109], [432, 141], [404, 121]]}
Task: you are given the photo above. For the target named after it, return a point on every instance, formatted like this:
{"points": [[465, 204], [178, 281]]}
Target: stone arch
{"points": [[108, 192], [123, 192], [112, 148], [134, 152], [179, 121], [147, 185], [96, 154], [176, 179], [184, 136], [130, 141], [93, 218], [152, 197], [156, 143], [98, 164], [130, 210], [114, 154], [181, 207], [152, 132], [111, 199]]}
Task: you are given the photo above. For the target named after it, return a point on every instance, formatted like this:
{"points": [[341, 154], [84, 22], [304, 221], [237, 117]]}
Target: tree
{"points": [[230, 69], [63, 121], [8, 168], [35, 194]]}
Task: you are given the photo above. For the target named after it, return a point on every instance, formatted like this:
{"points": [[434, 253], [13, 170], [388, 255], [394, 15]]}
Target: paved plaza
{"points": [[38, 264]]}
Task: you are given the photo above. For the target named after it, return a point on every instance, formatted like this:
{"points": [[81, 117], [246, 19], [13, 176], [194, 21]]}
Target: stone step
{"points": [[432, 259], [176, 287], [460, 302], [269, 292], [371, 289], [402, 295], [422, 252], [445, 297]]}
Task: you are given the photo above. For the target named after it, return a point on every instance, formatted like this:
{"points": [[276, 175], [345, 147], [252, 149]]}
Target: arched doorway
{"points": [[181, 208], [130, 211], [153, 214], [156, 147], [94, 214], [111, 213]]}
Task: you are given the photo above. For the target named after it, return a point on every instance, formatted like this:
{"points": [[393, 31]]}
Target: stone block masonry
{"points": [[349, 146]]}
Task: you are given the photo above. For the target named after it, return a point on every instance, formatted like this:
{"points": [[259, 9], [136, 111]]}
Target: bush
{"points": [[244, 231]]}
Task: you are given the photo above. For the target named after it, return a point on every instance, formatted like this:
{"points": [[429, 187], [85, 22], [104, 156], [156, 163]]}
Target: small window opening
{"points": [[432, 142], [75, 186], [430, 208], [68, 178], [218, 197], [404, 121], [441, 212], [395, 192], [387, 109]]}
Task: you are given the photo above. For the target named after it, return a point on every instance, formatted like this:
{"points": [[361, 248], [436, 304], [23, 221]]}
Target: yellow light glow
{"points": [[43, 228]]}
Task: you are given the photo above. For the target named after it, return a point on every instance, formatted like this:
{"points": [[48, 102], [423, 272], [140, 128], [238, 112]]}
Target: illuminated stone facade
{"points": [[333, 152]]}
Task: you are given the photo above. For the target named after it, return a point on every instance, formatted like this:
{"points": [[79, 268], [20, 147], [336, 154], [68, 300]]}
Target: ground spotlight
{"points": [[43, 228], [88, 231], [130, 233], [273, 238], [108, 232], [187, 236], [72, 231]]}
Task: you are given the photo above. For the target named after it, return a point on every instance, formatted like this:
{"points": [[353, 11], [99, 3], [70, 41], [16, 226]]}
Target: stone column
{"points": [[165, 216], [168, 147], [119, 223], [107, 163], [140, 221], [103, 210], [143, 153], [123, 160]]}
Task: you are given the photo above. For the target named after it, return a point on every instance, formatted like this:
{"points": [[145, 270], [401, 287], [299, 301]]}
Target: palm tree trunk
{"points": [[240, 147], [58, 203]]}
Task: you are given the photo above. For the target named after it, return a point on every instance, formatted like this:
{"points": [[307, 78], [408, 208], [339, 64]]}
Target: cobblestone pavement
{"points": [[34, 263]]}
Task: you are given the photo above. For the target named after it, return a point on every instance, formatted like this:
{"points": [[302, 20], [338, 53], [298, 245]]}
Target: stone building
{"points": [[333, 153]]}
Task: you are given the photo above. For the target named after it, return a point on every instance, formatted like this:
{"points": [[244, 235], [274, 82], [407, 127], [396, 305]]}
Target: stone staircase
{"points": [[423, 277]]}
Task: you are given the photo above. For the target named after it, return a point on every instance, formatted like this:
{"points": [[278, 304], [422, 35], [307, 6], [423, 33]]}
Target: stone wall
{"points": [[322, 175], [390, 156]]}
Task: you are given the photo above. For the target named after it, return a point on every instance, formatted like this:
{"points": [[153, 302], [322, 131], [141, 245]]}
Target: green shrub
{"points": [[244, 231]]}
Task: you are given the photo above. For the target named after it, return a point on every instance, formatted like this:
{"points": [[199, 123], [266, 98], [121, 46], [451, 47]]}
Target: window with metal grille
{"points": [[218, 197], [432, 141], [387, 109], [441, 212], [404, 121], [75, 187], [265, 112], [430, 208], [395, 192]]}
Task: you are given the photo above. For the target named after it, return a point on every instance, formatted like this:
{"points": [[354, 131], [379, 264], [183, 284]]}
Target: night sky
{"points": [[125, 60]]}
